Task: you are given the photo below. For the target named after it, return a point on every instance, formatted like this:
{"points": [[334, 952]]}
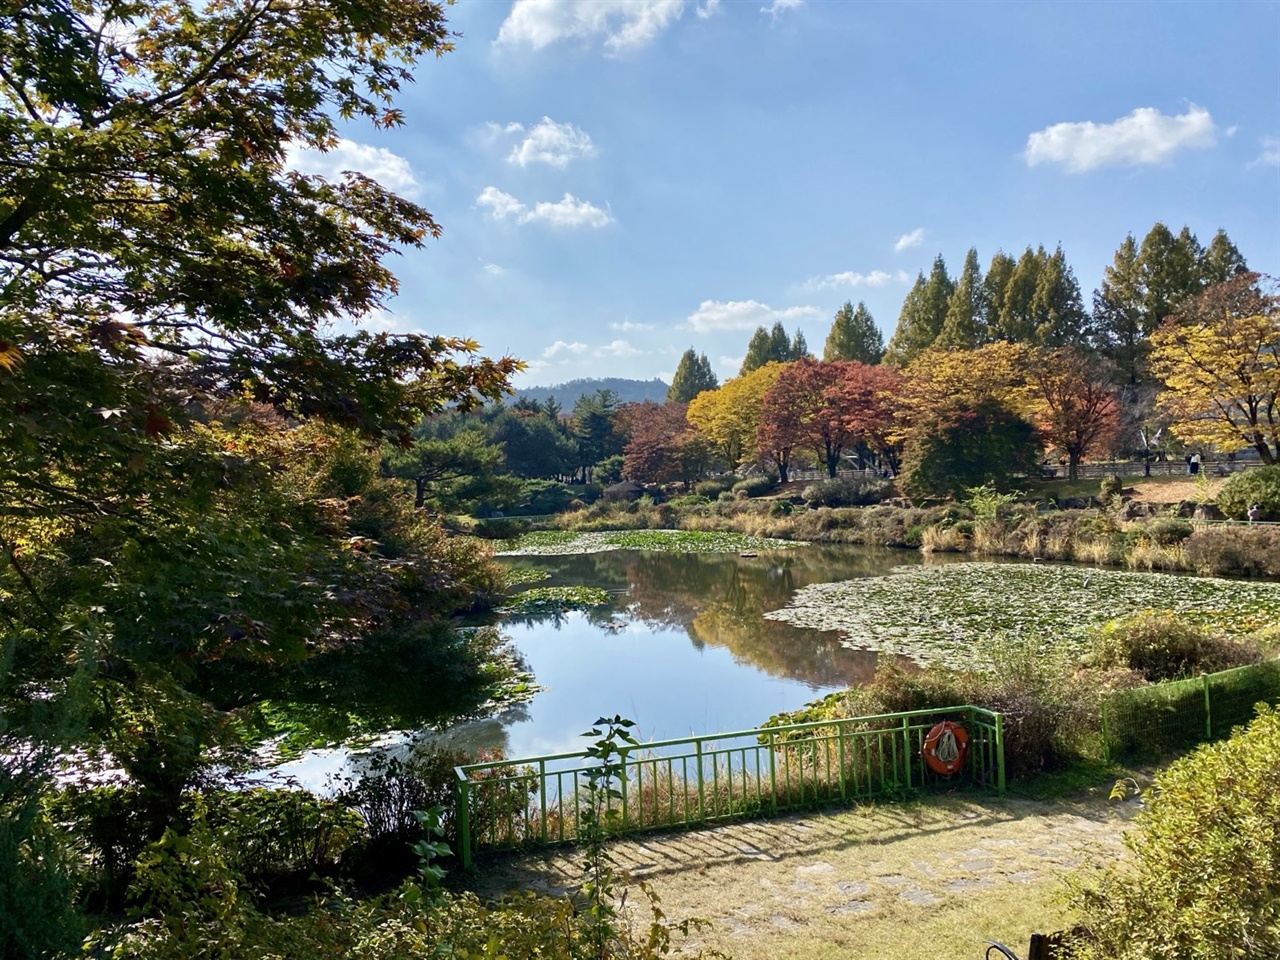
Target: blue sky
{"points": [[619, 180]]}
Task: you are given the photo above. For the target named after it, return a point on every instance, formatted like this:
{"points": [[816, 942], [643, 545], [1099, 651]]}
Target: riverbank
{"points": [[1157, 524]]}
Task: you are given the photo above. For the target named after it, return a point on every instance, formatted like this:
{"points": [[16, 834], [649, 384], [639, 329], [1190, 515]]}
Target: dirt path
{"points": [[931, 880]]}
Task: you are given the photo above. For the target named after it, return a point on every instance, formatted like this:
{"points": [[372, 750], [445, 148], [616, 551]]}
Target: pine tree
{"points": [[854, 336], [779, 343], [1015, 323], [965, 326], [799, 349], [1118, 314], [1170, 271], [1057, 309], [757, 352], [993, 290], [1221, 261], [692, 376], [923, 313]]}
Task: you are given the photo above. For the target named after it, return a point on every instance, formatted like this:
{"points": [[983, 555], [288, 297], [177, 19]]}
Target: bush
{"points": [[609, 470], [1161, 646], [1110, 488], [714, 487], [501, 528], [756, 486], [541, 497], [846, 492], [1167, 531], [1238, 551], [781, 508], [1260, 485], [688, 500], [1206, 879]]}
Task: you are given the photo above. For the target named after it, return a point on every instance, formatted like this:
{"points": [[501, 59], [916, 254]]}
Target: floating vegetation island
{"points": [[549, 543], [555, 599], [948, 614]]}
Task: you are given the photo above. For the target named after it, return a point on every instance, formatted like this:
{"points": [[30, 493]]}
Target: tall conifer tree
{"points": [[692, 376], [923, 313], [854, 336], [965, 325]]}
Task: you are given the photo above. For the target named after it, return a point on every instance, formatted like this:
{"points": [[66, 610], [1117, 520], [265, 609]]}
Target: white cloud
{"points": [[500, 204], [1144, 136], [627, 325], [778, 7], [561, 347], [1270, 155], [568, 211], [850, 278], [493, 270], [624, 24], [552, 143], [714, 315], [377, 163], [908, 240], [731, 363], [618, 348], [708, 9]]}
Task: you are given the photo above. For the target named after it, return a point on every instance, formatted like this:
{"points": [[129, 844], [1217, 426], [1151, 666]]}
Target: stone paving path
{"points": [[821, 875]]}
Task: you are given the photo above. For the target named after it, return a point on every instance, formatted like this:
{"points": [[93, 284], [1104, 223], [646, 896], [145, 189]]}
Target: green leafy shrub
{"points": [[1260, 485], [1205, 882], [609, 470], [846, 492], [1167, 531], [781, 508], [688, 500], [715, 486], [501, 528], [1235, 551], [275, 834], [1110, 488], [756, 486], [1162, 646], [541, 497]]}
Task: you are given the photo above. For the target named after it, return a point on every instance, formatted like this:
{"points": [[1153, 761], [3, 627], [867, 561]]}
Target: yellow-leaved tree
{"points": [[1219, 360], [730, 416]]}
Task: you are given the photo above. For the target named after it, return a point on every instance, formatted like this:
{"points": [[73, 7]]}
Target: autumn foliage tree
{"points": [[1219, 360], [729, 417], [1072, 402], [662, 447]]}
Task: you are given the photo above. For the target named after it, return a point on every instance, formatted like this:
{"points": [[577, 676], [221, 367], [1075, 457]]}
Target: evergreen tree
{"points": [[1221, 261], [757, 352], [799, 349], [993, 290], [692, 376], [923, 313], [1057, 309], [854, 336], [1015, 323], [779, 343], [965, 325], [1170, 271], [1118, 312]]}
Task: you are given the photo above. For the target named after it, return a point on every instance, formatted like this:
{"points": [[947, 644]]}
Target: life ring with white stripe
{"points": [[946, 747]]}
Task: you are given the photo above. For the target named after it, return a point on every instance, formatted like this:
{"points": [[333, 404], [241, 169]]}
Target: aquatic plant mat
{"points": [[952, 614], [549, 543], [926, 880]]}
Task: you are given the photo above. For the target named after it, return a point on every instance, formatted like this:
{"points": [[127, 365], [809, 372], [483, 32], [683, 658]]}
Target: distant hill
{"points": [[628, 391]]}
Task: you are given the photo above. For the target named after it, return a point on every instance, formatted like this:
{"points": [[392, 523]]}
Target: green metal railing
{"points": [[1154, 720], [670, 783]]}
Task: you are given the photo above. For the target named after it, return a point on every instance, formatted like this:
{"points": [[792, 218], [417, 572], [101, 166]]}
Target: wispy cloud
{"points": [[1144, 136], [568, 211], [715, 315], [551, 143], [560, 346], [623, 24], [1270, 155], [708, 9], [378, 163], [779, 7], [493, 270], [626, 326], [618, 348], [851, 278], [909, 240]]}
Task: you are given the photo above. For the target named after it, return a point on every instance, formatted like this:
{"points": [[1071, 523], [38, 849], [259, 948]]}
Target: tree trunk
{"points": [[1073, 466]]}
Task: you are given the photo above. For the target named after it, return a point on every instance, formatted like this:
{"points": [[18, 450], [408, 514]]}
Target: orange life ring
{"points": [[946, 747]]}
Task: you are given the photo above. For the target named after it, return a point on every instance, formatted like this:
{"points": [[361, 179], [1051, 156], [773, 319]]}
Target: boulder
{"points": [[1208, 511]]}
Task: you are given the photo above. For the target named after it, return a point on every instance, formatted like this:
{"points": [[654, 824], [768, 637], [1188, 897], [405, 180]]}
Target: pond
{"points": [[682, 647]]}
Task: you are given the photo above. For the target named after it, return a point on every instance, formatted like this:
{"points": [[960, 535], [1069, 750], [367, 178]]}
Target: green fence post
{"points": [[1208, 715], [773, 774], [542, 796], [462, 800], [623, 788], [1000, 753], [906, 749], [697, 749], [840, 735], [1106, 734]]}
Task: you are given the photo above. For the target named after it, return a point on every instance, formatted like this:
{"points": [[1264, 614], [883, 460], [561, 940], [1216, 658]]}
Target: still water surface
{"points": [[682, 649]]}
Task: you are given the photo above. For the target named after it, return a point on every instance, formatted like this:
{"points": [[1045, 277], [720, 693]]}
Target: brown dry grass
{"points": [[1170, 489], [928, 880]]}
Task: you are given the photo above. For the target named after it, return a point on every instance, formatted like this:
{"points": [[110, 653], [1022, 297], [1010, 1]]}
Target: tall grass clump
{"points": [[1161, 646]]}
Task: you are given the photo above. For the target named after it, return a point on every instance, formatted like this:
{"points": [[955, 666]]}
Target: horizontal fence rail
{"points": [[1155, 720], [694, 780]]}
